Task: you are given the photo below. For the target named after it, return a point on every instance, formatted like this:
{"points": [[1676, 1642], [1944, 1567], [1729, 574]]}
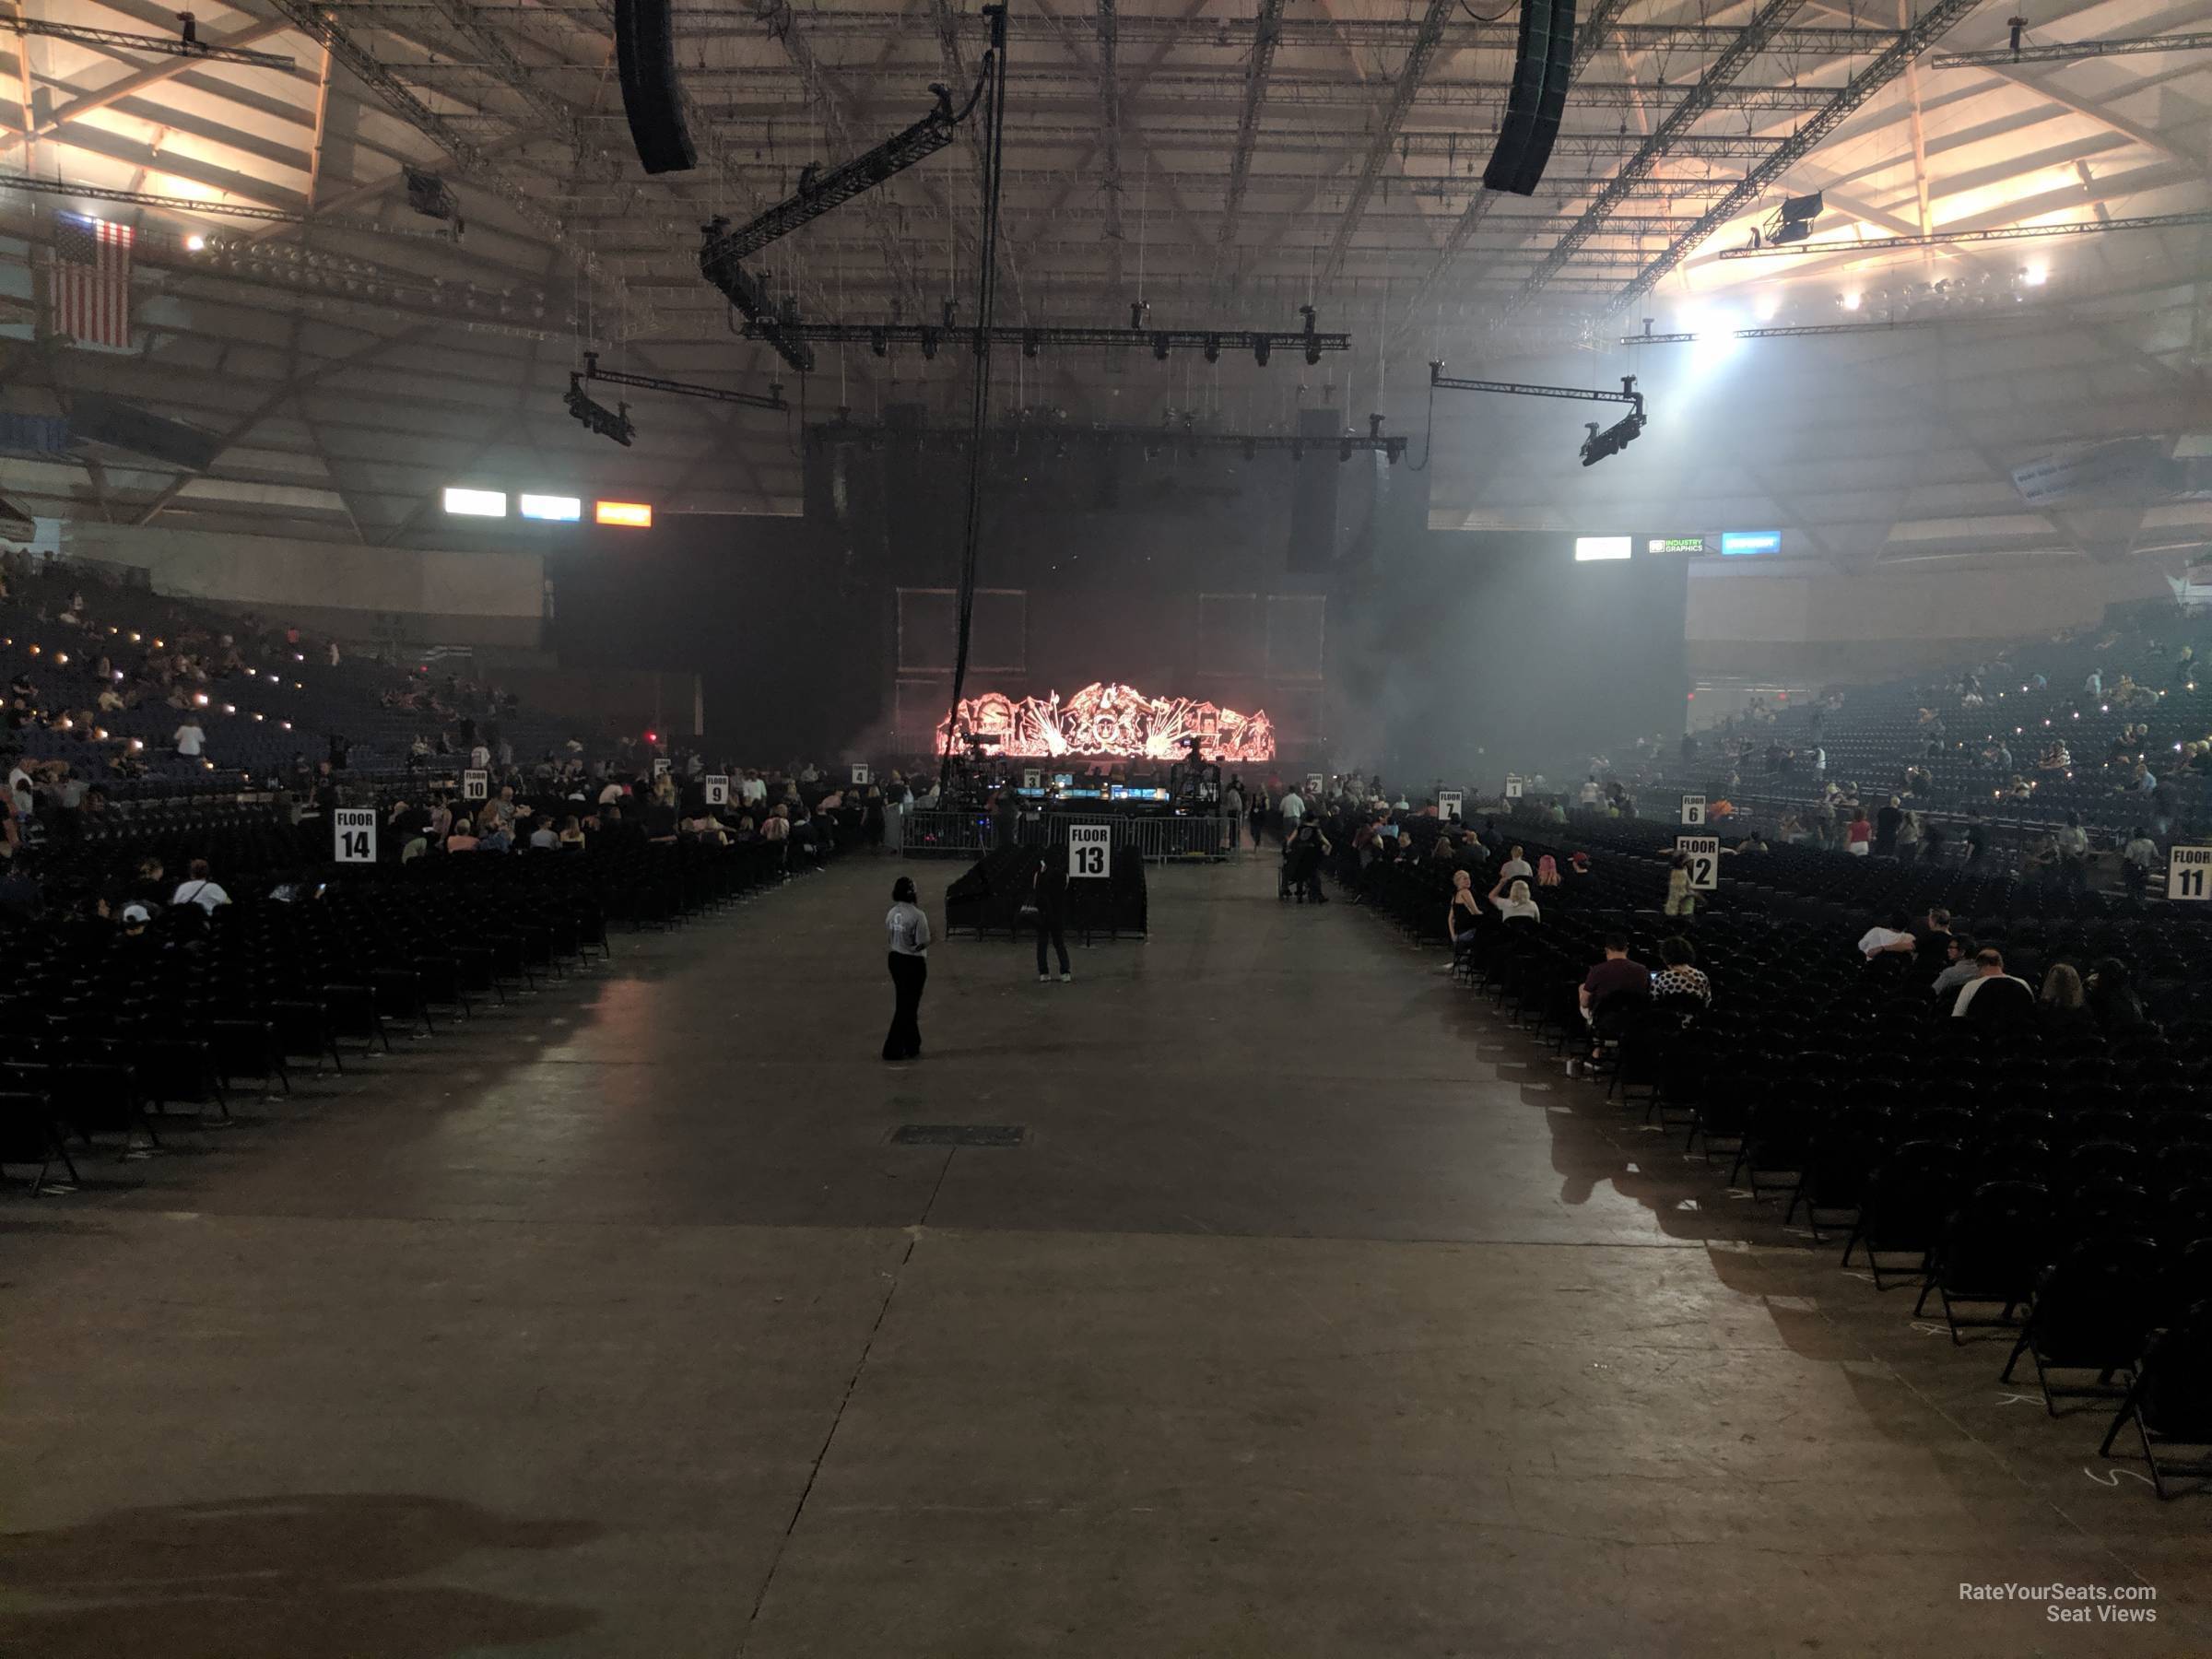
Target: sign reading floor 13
{"points": [[2189, 873], [1089, 849]]}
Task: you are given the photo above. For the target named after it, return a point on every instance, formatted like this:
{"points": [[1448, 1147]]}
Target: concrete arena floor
{"points": [[1320, 1316]]}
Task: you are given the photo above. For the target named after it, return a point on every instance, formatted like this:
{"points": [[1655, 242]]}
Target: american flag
{"points": [[91, 277]]}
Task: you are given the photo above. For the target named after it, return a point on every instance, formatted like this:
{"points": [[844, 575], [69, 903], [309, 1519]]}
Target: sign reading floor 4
{"points": [[1089, 850]]}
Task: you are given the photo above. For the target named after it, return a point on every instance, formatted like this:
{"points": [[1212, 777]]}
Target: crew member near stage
{"points": [[1050, 888]]}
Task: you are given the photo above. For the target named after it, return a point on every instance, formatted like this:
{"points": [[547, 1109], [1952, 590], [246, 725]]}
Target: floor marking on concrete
{"points": [[2017, 1400], [1926, 1329], [913, 1239], [2115, 1475]]}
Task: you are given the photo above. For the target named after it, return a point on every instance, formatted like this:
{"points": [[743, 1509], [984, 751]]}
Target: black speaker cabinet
{"points": [[645, 55], [1543, 63]]}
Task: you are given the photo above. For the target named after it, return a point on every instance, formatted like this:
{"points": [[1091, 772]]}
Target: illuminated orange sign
{"points": [[630, 515]]}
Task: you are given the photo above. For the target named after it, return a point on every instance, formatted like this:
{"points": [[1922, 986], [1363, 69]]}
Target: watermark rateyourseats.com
{"points": [[2075, 1604]]}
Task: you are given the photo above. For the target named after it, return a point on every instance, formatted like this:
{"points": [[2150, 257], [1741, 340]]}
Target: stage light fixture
{"points": [[879, 342], [1849, 302], [1613, 439], [1213, 348], [626, 515], [1030, 342], [2035, 276], [1344, 450], [596, 415], [929, 344], [1160, 348], [477, 503], [1262, 348]]}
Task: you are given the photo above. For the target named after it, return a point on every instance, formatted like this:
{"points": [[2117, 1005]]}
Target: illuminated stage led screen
{"points": [[1109, 721]]}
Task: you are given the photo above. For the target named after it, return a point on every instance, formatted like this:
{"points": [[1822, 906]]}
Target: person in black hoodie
{"points": [[2113, 999], [1049, 893]]}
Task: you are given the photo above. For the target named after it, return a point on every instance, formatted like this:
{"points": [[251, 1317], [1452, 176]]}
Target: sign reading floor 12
{"points": [[1089, 849], [353, 835], [2189, 873], [1704, 860], [1693, 809]]}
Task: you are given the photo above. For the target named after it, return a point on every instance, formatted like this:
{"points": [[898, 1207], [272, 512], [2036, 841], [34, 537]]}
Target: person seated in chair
{"points": [[1994, 996], [1610, 990], [1888, 940]]}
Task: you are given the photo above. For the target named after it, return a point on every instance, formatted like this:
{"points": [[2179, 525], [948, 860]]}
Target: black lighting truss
{"points": [[596, 415], [1596, 447], [763, 321], [818, 196], [2003, 233], [879, 337], [2068, 51], [771, 399], [1064, 439], [174, 45]]}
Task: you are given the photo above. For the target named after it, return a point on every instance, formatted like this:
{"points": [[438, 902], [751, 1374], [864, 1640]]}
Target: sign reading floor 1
{"points": [[1693, 809], [2189, 873], [718, 791], [476, 785], [353, 835], [1089, 849], [1512, 786], [1704, 860], [1448, 802]]}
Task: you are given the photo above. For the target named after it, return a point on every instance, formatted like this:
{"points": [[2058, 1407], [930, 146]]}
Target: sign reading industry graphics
{"points": [[1108, 720]]}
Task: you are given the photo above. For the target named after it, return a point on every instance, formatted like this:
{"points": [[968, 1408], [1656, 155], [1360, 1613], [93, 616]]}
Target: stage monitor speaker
{"points": [[1537, 98], [645, 55]]}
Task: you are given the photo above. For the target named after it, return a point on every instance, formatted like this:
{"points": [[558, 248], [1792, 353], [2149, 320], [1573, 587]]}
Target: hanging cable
{"points": [[979, 414]]}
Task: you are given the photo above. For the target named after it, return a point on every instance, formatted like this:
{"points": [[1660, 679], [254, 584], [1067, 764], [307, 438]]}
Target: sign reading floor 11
{"points": [[2189, 873], [1089, 849]]}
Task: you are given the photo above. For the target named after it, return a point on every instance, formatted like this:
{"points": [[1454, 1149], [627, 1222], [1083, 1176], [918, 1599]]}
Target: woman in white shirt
{"points": [[909, 935], [1515, 905]]}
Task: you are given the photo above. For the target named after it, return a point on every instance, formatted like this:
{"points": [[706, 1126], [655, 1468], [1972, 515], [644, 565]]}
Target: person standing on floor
{"points": [[908, 931], [1232, 813], [1048, 886]]}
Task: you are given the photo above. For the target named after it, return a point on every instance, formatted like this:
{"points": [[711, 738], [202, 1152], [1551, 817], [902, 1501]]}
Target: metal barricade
{"points": [[965, 834]]}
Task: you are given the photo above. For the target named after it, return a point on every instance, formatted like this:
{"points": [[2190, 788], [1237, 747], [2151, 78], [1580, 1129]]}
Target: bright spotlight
{"points": [[2036, 275], [196, 243], [1850, 300]]}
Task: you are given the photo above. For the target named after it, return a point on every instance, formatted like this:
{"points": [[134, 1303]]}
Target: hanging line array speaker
{"points": [[1542, 65], [645, 55]]}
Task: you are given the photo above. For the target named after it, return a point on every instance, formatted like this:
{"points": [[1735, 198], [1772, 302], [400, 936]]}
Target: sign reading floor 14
{"points": [[353, 835], [1089, 849], [2189, 873]]}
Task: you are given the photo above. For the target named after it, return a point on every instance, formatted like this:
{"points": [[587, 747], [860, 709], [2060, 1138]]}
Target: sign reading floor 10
{"points": [[353, 835], [1089, 850], [1704, 853], [476, 785], [2189, 873]]}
